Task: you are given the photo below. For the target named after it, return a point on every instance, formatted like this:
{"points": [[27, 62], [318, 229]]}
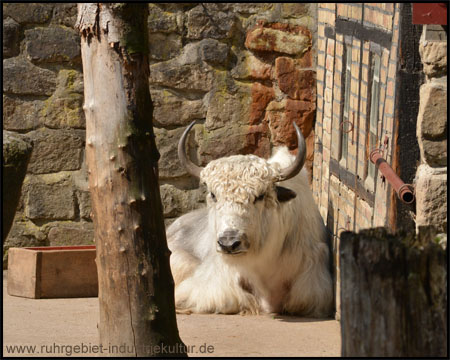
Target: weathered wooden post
{"points": [[393, 294], [136, 290]]}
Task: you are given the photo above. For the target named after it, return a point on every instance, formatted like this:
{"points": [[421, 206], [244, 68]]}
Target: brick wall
{"points": [[351, 38]]}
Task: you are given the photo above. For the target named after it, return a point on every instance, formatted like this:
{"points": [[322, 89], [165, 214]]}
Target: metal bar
{"points": [[403, 190]]}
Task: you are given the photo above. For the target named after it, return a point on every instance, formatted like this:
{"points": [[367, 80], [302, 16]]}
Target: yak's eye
{"points": [[260, 197], [213, 197]]}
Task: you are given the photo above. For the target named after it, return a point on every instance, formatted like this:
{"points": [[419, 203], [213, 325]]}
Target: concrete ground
{"points": [[54, 327]]}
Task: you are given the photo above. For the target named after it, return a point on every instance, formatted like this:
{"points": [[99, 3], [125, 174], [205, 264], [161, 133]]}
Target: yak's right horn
{"points": [[191, 168]]}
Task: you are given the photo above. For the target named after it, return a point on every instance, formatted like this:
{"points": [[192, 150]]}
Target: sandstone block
{"points": [[11, 30], [65, 14], [297, 84], [280, 38], [192, 77], [24, 78], [21, 115], [62, 234], [295, 9], [28, 13], [171, 110], [84, 203], [261, 96], [249, 67], [213, 51], [280, 116], [56, 150], [64, 109], [204, 23], [48, 200], [431, 197], [432, 118], [16, 154], [164, 47], [177, 202], [228, 104], [434, 152], [434, 57], [25, 233], [161, 21], [53, 44], [167, 143]]}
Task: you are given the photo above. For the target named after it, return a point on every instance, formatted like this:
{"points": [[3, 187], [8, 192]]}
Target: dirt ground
{"points": [[62, 327]]}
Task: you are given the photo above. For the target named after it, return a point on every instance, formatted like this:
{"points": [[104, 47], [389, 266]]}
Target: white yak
{"points": [[257, 246]]}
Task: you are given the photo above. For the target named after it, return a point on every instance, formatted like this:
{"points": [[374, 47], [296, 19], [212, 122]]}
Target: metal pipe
{"points": [[403, 190]]}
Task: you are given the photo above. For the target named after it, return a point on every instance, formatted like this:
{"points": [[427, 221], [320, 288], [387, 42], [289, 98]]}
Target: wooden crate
{"points": [[52, 272]]}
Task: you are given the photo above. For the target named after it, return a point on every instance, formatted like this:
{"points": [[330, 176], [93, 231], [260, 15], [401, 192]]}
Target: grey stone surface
{"points": [[40, 45], [23, 78], [65, 14], [171, 110], [21, 115], [213, 51], [189, 77], [164, 47], [206, 20], [56, 150], [25, 233], [60, 233], [167, 142], [11, 33], [161, 21], [28, 13], [84, 203], [48, 199], [177, 202], [16, 154], [64, 109]]}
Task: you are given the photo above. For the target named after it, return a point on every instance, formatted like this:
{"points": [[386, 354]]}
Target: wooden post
{"points": [[136, 289], [393, 295]]}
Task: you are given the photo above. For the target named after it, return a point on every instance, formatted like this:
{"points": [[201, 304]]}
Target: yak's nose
{"points": [[230, 241]]}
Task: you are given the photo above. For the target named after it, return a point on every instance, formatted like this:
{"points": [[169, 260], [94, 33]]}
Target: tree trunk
{"points": [[393, 295], [136, 289]]}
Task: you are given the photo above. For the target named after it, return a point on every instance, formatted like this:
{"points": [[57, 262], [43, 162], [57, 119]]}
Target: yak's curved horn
{"points": [[191, 168], [299, 161]]}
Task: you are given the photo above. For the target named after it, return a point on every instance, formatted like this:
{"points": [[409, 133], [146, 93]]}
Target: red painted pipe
{"points": [[403, 191]]}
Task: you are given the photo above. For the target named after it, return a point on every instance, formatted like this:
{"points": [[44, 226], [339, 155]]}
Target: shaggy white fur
{"points": [[284, 266]]}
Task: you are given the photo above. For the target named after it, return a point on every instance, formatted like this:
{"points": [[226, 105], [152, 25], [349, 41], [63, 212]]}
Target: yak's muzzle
{"points": [[232, 242]]}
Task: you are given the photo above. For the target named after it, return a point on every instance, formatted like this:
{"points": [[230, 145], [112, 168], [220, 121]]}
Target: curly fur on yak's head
{"points": [[239, 179]]}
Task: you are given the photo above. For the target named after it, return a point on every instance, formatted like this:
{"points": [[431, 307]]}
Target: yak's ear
{"points": [[284, 194]]}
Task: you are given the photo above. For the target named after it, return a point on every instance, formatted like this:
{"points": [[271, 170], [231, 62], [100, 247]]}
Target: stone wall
{"points": [[243, 71], [432, 131]]}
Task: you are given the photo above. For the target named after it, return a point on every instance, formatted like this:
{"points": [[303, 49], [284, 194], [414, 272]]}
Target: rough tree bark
{"points": [[393, 294], [136, 290]]}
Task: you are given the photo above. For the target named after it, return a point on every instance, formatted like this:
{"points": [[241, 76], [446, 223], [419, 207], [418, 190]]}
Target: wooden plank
{"points": [[393, 295], [52, 272], [68, 273], [22, 273]]}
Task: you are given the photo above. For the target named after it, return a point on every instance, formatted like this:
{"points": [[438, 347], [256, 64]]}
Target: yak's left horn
{"points": [[191, 168], [299, 161]]}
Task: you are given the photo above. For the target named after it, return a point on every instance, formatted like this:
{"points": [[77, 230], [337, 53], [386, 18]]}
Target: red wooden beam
{"points": [[429, 13]]}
